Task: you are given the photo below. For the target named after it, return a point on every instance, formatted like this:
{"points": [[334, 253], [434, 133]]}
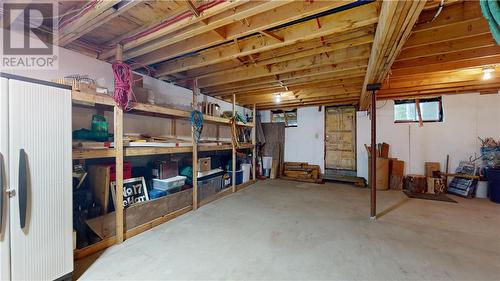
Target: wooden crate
{"points": [[141, 213]]}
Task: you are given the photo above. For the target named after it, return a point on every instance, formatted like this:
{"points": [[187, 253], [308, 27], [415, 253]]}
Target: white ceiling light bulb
{"points": [[487, 73], [277, 98]]}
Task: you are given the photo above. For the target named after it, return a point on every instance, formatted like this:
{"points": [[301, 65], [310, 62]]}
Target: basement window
{"points": [[287, 117], [405, 111]]}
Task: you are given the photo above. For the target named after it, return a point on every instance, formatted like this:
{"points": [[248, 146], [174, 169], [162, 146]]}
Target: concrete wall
{"points": [[466, 117], [304, 143]]}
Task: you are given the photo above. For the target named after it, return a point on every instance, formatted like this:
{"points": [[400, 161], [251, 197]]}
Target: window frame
{"points": [[424, 100]]}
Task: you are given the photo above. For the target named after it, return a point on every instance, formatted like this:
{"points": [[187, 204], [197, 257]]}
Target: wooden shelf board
{"points": [[142, 151], [205, 148], [92, 99], [245, 146], [93, 153]]}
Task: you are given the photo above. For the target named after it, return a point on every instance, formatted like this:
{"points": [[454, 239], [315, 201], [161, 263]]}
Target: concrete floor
{"points": [[287, 230]]}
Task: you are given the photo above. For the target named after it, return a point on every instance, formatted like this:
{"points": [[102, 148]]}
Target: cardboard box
{"points": [[204, 164]]}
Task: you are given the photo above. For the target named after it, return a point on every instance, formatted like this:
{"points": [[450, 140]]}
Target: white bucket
{"points": [[482, 189], [246, 171], [267, 162]]}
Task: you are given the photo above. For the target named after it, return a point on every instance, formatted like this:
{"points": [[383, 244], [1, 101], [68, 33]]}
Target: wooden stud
{"points": [[195, 150], [234, 150], [254, 143], [118, 139]]}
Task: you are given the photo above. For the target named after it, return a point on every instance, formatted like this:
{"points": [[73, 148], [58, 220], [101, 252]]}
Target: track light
{"points": [[487, 72]]}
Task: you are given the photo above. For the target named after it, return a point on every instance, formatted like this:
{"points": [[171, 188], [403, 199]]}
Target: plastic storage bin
{"points": [[209, 186], [246, 171], [494, 183], [169, 184], [239, 177]]}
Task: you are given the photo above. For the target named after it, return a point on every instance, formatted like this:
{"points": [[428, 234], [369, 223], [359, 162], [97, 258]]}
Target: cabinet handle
{"points": [[2, 183], [23, 186]]}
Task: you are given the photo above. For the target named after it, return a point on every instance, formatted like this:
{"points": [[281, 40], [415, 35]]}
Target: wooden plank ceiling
{"points": [[445, 56], [307, 52]]}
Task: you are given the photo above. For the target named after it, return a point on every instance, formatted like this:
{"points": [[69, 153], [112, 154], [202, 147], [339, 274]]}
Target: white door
{"points": [[40, 132], [4, 160]]}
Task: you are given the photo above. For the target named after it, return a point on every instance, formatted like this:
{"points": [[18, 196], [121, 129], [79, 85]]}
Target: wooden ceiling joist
{"points": [[396, 21], [174, 26], [157, 46], [294, 81], [263, 16], [245, 73], [445, 56], [94, 17], [299, 50], [317, 86], [327, 72], [335, 23]]}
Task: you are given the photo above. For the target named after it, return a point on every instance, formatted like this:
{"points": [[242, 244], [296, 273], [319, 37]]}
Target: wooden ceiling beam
{"points": [[263, 16], [298, 103], [251, 72], [324, 51], [193, 8], [437, 86], [459, 30], [324, 73], [140, 47], [442, 91], [452, 61], [451, 14], [319, 85], [396, 21], [441, 48], [93, 18], [301, 49], [224, 7], [335, 23]]}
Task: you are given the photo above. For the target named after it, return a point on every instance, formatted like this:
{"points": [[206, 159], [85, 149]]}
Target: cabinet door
{"points": [[4, 160], [40, 132]]}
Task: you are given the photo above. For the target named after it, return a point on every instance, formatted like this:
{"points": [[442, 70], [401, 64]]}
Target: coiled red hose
{"points": [[123, 95]]}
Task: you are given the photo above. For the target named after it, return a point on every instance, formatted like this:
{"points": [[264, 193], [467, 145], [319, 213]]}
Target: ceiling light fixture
{"points": [[487, 72], [277, 97]]}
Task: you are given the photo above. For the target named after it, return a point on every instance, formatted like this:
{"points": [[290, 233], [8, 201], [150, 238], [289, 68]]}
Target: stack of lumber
{"points": [[301, 171]]}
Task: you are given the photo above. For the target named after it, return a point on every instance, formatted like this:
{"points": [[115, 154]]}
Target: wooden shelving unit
{"points": [[92, 100]]}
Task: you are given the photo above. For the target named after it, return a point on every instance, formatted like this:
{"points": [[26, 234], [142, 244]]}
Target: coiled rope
{"points": [[123, 95], [234, 132], [196, 124]]}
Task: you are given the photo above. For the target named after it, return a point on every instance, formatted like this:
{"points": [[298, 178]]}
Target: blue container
{"points": [[156, 193], [494, 184], [239, 177]]}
